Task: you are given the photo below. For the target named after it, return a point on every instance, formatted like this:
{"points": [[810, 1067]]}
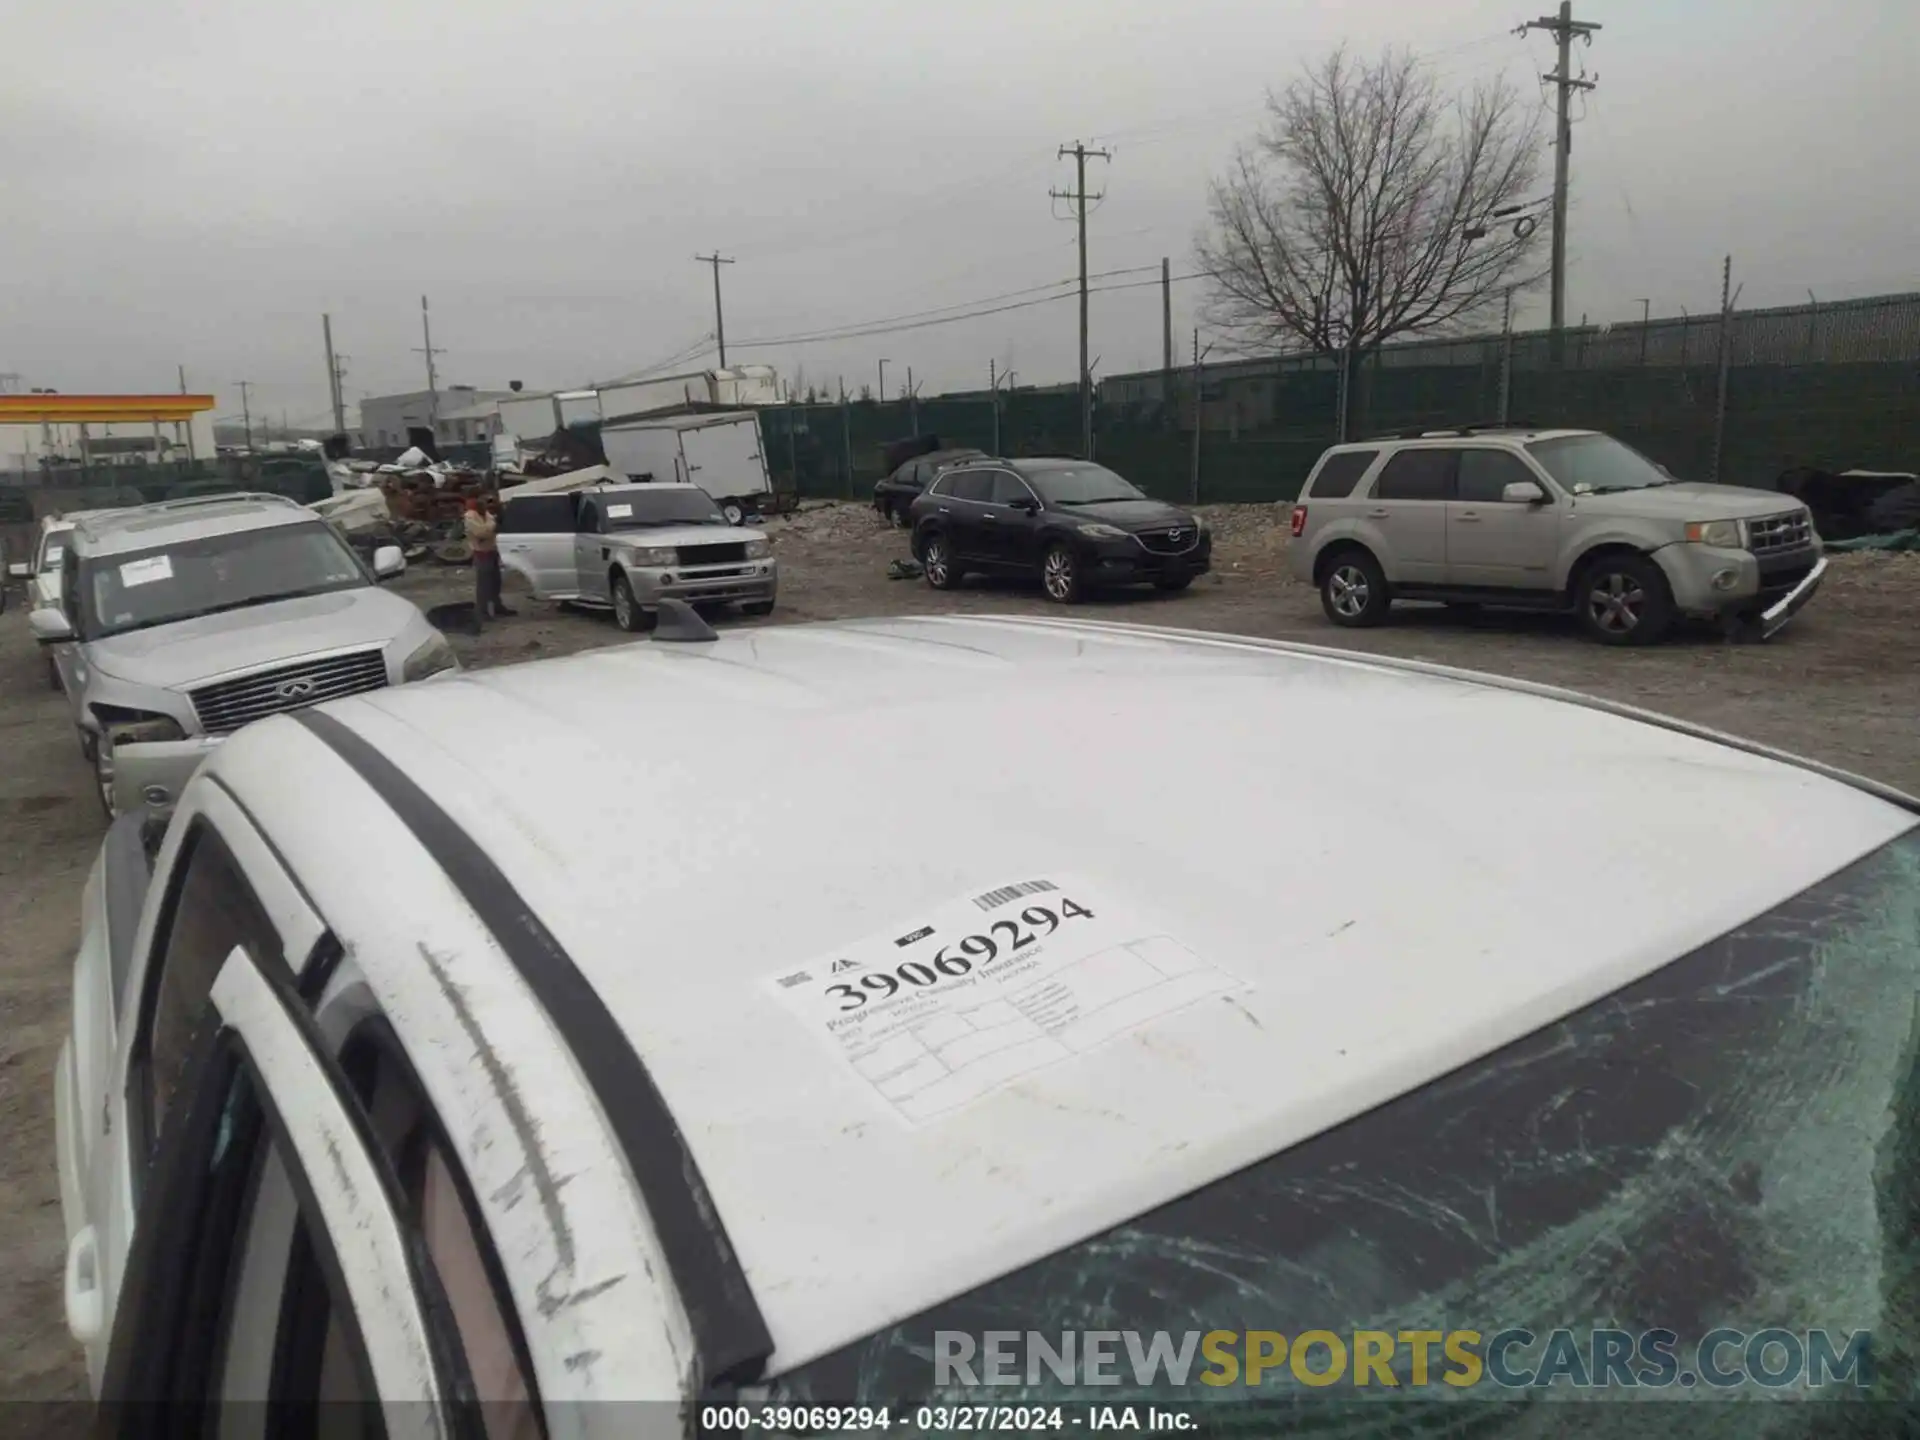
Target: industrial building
{"points": [[462, 416]]}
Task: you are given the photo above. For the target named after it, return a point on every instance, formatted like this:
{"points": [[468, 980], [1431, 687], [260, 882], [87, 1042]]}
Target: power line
{"points": [[938, 312]]}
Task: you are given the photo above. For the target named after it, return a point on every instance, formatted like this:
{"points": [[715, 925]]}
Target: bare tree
{"points": [[1367, 210]]}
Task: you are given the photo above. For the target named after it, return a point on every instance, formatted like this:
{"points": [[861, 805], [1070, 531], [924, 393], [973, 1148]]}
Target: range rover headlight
{"points": [[759, 549]]}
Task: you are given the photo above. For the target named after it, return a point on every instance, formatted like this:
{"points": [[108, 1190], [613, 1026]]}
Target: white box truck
{"points": [[721, 453]]}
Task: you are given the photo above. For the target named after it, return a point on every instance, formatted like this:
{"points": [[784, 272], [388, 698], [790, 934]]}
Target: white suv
{"points": [[1547, 520]]}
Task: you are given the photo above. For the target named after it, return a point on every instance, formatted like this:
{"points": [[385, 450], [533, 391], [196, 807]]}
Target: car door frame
{"points": [[256, 1030], [1533, 532], [1015, 536], [1426, 519], [966, 522], [591, 555], [547, 555], [118, 1164]]}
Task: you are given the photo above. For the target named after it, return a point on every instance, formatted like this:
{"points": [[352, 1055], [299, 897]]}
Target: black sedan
{"points": [[893, 496], [1074, 525]]}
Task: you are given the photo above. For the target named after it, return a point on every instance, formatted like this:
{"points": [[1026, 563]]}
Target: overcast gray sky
{"points": [[197, 183]]}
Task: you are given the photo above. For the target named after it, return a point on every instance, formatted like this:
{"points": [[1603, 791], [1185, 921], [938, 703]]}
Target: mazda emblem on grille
{"points": [[1176, 536], [294, 689]]}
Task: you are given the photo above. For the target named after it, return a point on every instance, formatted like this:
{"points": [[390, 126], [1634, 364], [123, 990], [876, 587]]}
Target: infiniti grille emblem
{"points": [[294, 689]]}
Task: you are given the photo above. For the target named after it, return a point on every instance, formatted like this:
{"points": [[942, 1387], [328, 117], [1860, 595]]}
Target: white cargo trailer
{"points": [[721, 453]]}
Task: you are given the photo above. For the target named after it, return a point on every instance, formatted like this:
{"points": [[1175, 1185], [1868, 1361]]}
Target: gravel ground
{"points": [[1840, 685]]}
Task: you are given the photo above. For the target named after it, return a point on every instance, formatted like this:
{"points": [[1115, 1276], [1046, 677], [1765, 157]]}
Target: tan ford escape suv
{"points": [[1547, 520]]}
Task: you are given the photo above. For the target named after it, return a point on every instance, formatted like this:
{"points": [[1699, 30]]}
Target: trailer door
{"points": [[725, 460]]}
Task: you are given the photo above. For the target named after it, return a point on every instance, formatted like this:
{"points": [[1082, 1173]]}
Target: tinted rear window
{"points": [[1340, 473], [537, 514], [970, 485], [1417, 475]]}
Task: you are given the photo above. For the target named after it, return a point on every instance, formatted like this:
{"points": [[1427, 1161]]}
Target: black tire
{"points": [[89, 742], [1353, 590], [758, 607], [943, 572], [1060, 574], [1624, 599], [53, 675], [1173, 583], [627, 613], [1898, 509]]}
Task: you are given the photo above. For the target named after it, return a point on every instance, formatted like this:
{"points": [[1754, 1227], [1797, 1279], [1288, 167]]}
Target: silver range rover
{"points": [[181, 622], [628, 547]]}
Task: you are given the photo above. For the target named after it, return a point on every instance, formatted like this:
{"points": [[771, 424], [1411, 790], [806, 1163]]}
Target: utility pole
{"points": [[883, 382], [333, 376], [1563, 28], [1728, 297], [1079, 197], [186, 428], [1166, 329], [433, 382], [246, 412], [1193, 484], [716, 260], [1506, 355], [1646, 321], [993, 392], [913, 405]]}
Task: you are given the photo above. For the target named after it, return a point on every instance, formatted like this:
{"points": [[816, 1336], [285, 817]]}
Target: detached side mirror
{"points": [[388, 561], [18, 570], [1523, 492], [49, 626]]}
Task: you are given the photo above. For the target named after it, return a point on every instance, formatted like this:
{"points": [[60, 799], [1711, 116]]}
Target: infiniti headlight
{"points": [[137, 727], [430, 658]]}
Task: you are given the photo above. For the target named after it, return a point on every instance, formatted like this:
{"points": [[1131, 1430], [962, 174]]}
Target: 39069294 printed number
{"points": [[952, 961]]}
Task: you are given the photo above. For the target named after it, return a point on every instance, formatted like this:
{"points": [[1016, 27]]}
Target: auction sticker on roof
{"points": [[619, 512], [970, 996]]}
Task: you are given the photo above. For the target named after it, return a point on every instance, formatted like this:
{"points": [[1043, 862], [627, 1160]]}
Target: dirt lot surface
{"points": [[1841, 685]]}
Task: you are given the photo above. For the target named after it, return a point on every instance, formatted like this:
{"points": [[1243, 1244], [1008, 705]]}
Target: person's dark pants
{"points": [[486, 584]]}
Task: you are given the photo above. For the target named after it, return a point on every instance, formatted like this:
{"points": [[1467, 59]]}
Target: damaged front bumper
{"points": [[151, 774]]}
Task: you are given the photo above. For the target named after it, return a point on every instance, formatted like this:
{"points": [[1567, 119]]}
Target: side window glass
{"points": [[972, 485], [1417, 475], [286, 1336], [439, 1208], [1009, 489], [1485, 473], [212, 910], [588, 520], [1340, 474], [940, 485]]}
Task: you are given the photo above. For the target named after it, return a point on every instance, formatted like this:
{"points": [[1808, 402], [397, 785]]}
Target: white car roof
{"points": [[147, 527], [1403, 867]]}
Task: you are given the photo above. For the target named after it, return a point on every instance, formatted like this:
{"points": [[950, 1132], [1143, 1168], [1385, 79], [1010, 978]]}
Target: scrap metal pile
{"points": [[415, 503]]}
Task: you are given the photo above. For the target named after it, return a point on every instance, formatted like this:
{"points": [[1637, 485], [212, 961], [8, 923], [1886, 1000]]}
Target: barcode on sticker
{"points": [[799, 977], [994, 899]]}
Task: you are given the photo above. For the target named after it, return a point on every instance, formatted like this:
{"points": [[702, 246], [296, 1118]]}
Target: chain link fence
{"points": [[1833, 386]]}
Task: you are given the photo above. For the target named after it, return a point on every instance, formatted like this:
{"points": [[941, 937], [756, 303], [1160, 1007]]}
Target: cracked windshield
{"points": [[907, 721]]}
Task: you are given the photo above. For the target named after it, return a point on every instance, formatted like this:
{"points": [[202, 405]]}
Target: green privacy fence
{"points": [[1831, 386]]}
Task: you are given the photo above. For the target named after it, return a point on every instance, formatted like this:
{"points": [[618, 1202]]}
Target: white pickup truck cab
{"points": [[1203, 982]]}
